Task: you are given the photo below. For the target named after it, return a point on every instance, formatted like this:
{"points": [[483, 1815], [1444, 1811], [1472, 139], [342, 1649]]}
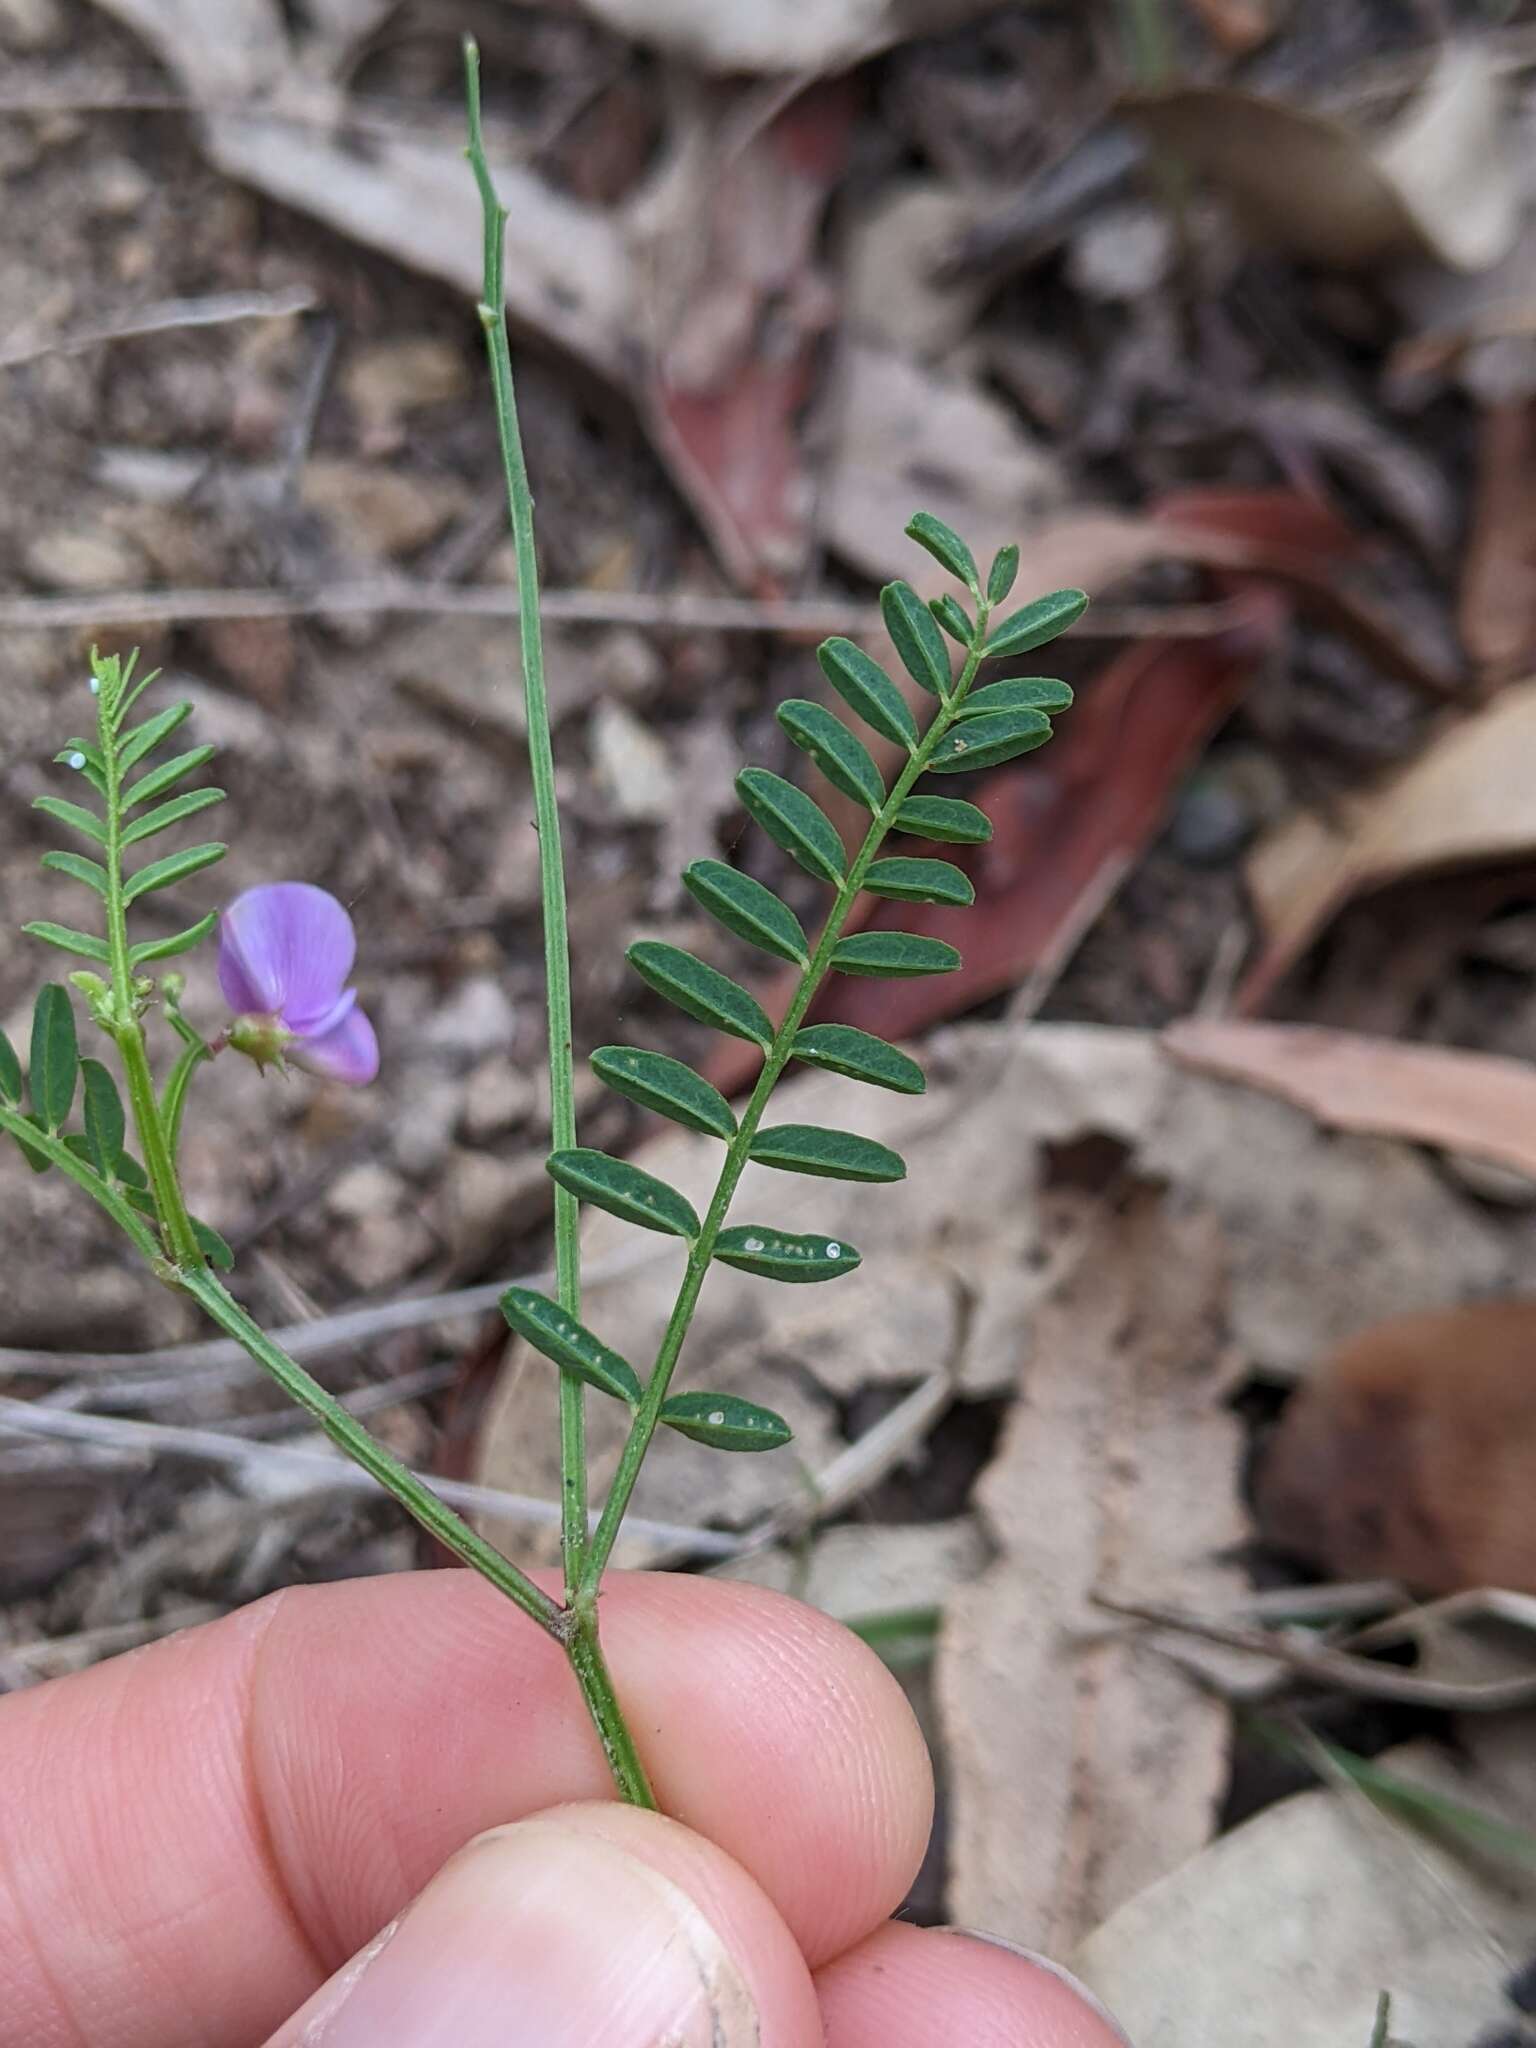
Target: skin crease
{"points": [[199, 1834]]}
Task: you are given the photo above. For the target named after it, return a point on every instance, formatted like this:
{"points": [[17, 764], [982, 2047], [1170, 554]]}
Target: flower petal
{"points": [[286, 949], [348, 1051]]}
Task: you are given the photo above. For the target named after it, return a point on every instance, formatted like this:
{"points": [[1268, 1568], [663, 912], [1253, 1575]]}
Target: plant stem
{"points": [[586, 1655], [648, 1413], [557, 966], [173, 1100], [58, 1154]]}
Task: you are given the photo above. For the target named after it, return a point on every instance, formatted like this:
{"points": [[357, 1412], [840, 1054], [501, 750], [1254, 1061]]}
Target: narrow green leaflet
{"points": [[55, 1056], [746, 908], [984, 742], [547, 1327], [176, 867], [66, 939], [945, 546], [725, 1422], [953, 617], [701, 991], [945, 818], [1001, 575], [165, 777], [916, 637], [1018, 693], [844, 1049], [105, 1125], [663, 1084], [181, 942], [794, 821], [79, 869], [839, 754], [624, 1190], [10, 1073], [85, 758], [172, 813], [1037, 623], [213, 1247], [74, 815], [143, 739], [868, 691], [920, 881], [784, 1255], [827, 1154], [897, 954]]}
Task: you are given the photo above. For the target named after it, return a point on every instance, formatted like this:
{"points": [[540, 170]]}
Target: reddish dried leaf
{"points": [[1498, 589]]}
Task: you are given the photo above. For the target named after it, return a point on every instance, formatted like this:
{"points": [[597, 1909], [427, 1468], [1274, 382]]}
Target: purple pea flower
{"points": [[285, 951]]}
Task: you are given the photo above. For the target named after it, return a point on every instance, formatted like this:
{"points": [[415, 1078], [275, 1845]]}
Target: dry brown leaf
{"points": [[1498, 585]]}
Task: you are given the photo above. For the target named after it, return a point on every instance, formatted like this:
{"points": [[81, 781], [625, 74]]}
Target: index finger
{"points": [[199, 1833]]}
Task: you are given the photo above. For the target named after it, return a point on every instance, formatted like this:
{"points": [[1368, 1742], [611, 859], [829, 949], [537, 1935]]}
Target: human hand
{"points": [[204, 1838]]}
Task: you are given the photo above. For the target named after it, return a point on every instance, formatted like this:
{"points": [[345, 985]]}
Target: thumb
{"points": [[583, 1926]]}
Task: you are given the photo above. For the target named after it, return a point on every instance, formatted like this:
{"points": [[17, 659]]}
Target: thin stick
{"points": [[218, 309]]}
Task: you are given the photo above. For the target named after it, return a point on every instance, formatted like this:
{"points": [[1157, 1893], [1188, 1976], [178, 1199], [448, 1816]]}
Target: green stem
{"points": [[586, 1655], [58, 1154], [648, 1413], [173, 1100], [413, 1494], [557, 966]]}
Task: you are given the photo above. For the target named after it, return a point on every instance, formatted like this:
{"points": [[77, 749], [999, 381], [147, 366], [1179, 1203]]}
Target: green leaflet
{"points": [[79, 869], [916, 637], [172, 813], [920, 881], [166, 949], [37, 1160], [844, 1049], [1037, 623], [784, 1255], [105, 1125], [624, 1190], [665, 1085], [725, 1422], [746, 908], [213, 1247], [560, 1337], [984, 742], [839, 754], [55, 1063], [953, 617], [701, 991], [945, 818], [165, 777], [1018, 693], [175, 867], [10, 1073], [868, 691], [897, 954], [85, 758], [74, 815], [1001, 575], [67, 940], [143, 739], [829, 1155], [794, 821], [945, 546]]}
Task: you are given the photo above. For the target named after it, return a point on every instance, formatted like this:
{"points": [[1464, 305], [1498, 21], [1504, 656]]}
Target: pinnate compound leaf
{"points": [[143, 739], [916, 637], [213, 1247], [746, 908], [827, 1154], [658, 1082], [180, 942], [172, 813], [55, 1064], [899, 955], [984, 742], [1002, 574], [79, 869], [953, 617], [920, 881], [165, 777], [945, 818], [945, 546], [784, 1255], [105, 1125], [10, 1073], [860, 1056], [624, 1190], [840, 755], [176, 867], [700, 991], [1018, 693], [74, 815], [794, 821], [549, 1329], [83, 944], [868, 691], [725, 1422], [1036, 623]]}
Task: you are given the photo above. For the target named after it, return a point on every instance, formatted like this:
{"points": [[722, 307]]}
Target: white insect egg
{"points": [[95, 686], [77, 760], [717, 1416], [834, 1251], [753, 1244]]}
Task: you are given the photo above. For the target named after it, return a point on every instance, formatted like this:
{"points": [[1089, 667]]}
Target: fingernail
{"points": [[538, 1935], [1075, 1985]]}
